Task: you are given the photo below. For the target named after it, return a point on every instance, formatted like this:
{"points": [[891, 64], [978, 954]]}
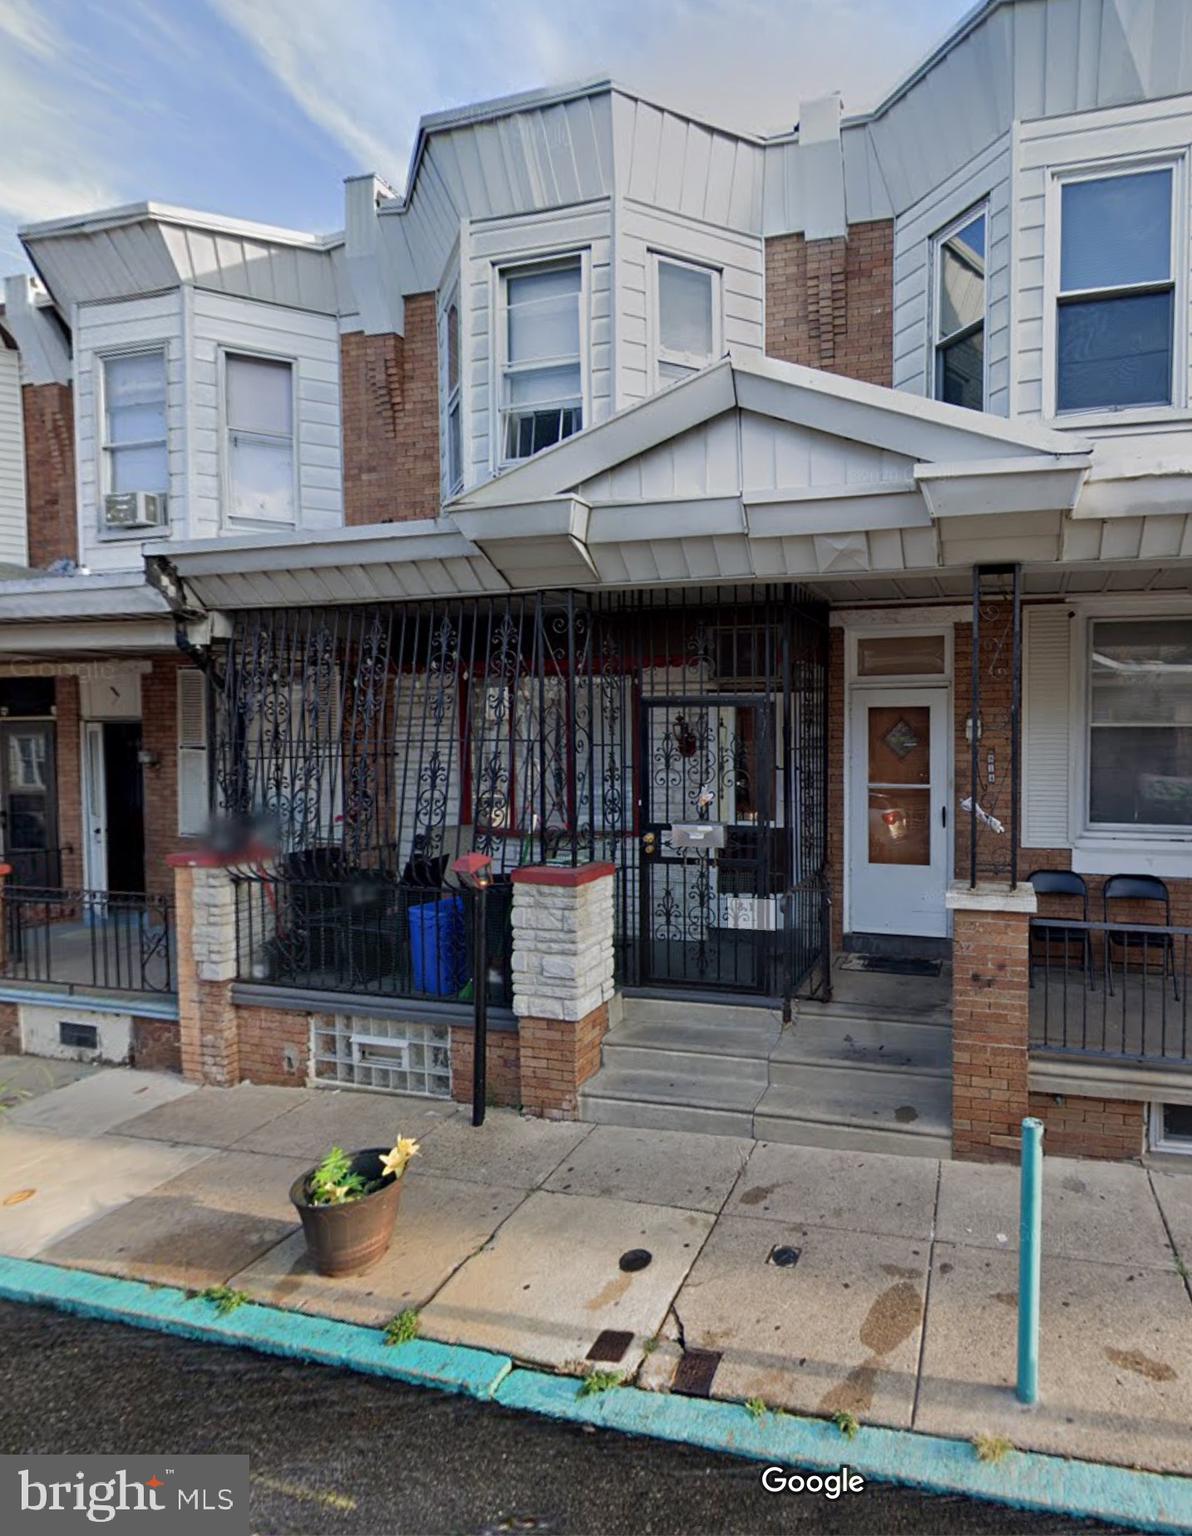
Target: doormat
{"points": [[891, 965]]}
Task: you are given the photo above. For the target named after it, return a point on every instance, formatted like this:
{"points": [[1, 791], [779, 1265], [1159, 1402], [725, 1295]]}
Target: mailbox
{"points": [[697, 835]]}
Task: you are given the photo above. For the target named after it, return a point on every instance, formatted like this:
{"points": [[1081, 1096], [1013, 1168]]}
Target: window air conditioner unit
{"points": [[134, 509]]}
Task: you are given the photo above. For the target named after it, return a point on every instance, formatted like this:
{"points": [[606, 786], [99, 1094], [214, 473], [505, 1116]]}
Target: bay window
{"points": [[1140, 723], [959, 315], [685, 336], [134, 423], [541, 370], [259, 420], [1116, 301]]}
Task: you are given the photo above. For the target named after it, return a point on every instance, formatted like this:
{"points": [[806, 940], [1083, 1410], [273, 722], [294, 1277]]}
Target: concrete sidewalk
{"points": [[899, 1309]]}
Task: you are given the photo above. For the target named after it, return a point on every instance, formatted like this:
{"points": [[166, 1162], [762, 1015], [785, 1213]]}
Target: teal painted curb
{"points": [[1027, 1479], [1148, 1501], [295, 1335]]}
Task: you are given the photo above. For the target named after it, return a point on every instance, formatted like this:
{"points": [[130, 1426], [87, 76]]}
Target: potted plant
{"points": [[348, 1206]]}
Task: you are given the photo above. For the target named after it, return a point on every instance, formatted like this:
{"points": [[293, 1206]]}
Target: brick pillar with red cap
{"points": [[562, 980]]}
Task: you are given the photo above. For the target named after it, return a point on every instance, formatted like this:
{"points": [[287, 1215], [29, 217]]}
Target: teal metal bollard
{"points": [[1030, 1242]]}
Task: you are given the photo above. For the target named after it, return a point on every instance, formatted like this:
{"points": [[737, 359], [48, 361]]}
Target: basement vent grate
{"points": [[388, 1055], [79, 1037]]}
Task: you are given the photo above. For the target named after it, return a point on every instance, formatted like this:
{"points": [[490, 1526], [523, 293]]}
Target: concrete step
{"points": [[715, 1064], [839, 1106], [862, 1045], [677, 1100], [668, 1010]]}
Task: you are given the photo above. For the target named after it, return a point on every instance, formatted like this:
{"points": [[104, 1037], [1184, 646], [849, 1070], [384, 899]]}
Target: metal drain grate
{"points": [[610, 1346], [695, 1373]]}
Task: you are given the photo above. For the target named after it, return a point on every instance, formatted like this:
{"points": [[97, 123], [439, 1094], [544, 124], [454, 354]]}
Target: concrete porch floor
{"points": [[900, 1308]]}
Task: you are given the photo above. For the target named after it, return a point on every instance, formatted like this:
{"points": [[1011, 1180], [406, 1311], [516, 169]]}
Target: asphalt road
{"points": [[340, 1453]]}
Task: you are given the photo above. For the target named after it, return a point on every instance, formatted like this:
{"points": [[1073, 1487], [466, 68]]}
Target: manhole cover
{"points": [[635, 1259], [784, 1256]]}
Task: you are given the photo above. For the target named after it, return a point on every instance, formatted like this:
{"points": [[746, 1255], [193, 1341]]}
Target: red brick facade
{"points": [[159, 736], [503, 1067], [557, 1058], [1113, 1129], [68, 766], [830, 303], [50, 473], [10, 1030], [389, 393], [274, 1046], [990, 1031], [155, 1045]]}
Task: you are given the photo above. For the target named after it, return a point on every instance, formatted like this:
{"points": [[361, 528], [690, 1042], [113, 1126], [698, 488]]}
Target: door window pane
{"points": [[1115, 351], [900, 826], [900, 745], [1140, 748], [1115, 231]]}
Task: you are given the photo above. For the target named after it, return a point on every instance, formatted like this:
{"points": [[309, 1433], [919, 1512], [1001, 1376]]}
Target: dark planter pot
{"points": [[348, 1239]]}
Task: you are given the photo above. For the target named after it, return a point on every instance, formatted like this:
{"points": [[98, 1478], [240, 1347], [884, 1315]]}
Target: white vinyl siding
{"points": [[1104, 143], [192, 752], [219, 326], [986, 180], [1046, 729], [14, 541], [103, 330]]}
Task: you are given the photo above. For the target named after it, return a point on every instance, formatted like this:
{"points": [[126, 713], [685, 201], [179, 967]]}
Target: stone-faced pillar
{"points": [[562, 980], [990, 1018]]}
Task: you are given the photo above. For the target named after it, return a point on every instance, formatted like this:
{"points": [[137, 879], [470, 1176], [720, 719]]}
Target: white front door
{"points": [[898, 837], [95, 807]]}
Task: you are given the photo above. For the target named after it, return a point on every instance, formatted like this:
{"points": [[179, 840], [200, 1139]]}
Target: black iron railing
{"points": [[88, 940], [1110, 989], [365, 932], [807, 955]]}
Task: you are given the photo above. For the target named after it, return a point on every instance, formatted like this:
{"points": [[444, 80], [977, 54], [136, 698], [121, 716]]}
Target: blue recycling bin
{"points": [[439, 955]]}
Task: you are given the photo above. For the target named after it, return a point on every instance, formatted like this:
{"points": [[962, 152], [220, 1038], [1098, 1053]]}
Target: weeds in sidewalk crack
{"points": [[223, 1298], [992, 1448], [846, 1423], [756, 1408], [402, 1328], [599, 1381]]}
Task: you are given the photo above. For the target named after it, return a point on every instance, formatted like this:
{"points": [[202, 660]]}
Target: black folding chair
{"points": [[1062, 882], [1136, 888]]}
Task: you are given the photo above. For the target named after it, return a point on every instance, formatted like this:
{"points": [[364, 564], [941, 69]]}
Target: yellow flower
{"points": [[404, 1148]]}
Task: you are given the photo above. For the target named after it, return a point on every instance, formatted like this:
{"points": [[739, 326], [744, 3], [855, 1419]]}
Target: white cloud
{"points": [[366, 70], [50, 167]]}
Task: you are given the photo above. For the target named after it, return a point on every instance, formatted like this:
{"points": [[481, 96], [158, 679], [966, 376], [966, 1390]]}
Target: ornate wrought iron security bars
{"points": [[382, 740]]}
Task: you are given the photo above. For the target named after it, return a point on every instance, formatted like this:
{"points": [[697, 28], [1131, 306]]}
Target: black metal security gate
{"points": [[382, 740]]}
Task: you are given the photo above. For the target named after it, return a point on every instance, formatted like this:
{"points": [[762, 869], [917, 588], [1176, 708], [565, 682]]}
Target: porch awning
{"points": [[83, 614], [749, 470]]}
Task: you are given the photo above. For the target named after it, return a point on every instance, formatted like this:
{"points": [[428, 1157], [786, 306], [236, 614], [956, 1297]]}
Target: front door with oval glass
{"points": [[898, 840]]}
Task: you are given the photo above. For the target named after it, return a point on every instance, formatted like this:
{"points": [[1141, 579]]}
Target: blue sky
{"points": [[260, 108]]}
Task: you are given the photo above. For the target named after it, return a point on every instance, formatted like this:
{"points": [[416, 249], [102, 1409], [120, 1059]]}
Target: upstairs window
{"points": [[453, 459], [1140, 723], [259, 416], [542, 375], [1116, 300], [960, 287], [134, 423], [686, 338]]}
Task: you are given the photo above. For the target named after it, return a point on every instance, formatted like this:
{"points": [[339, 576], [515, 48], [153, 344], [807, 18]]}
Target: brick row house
{"points": [[770, 552]]}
